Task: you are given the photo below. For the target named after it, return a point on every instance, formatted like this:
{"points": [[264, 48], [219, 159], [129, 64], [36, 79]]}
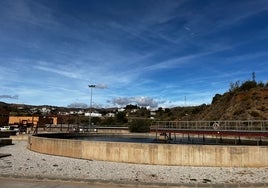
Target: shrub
{"points": [[248, 85], [140, 125], [234, 86], [108, 121], [121, 117], [261, 84], [255, 114]]}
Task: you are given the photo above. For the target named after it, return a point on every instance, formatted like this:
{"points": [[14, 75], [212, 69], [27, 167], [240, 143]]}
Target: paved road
{"points": [[31, 183]]}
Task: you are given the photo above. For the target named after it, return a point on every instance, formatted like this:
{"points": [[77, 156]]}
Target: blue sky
{"points": [[152, 53]]}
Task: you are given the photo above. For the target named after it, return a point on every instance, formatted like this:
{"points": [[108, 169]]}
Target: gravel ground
{"points": [[25, 163]]}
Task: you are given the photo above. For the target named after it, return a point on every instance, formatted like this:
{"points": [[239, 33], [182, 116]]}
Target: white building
{"points": [[110, 115], [93, 114]]}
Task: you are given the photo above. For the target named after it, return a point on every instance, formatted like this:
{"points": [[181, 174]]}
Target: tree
{"points": [[121, 117], [71, 120], [261, 84], [143, 112], [160, 111], [234, 86], [95, 120], [108, 121], [130, 107], [140, 125]]}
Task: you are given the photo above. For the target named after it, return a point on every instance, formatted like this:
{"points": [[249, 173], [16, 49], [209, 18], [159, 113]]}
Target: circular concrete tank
{"points": [[65, 144]]}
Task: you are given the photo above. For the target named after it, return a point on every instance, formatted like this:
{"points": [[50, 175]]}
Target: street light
{"points": [[91, 87]]}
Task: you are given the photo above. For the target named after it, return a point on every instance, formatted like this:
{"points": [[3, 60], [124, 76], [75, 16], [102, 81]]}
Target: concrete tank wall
{"points": [[159, 154], [61, 147]]}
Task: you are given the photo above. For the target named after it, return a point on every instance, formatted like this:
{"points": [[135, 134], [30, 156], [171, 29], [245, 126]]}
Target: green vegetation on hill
{"points": [[245, 101]]}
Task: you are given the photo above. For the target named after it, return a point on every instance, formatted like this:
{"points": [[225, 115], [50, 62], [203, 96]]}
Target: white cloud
{"points": [[101, 86], [77, 105], [140, 101]]}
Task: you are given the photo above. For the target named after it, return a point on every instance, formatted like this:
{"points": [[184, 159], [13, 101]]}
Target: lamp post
{"points": [[90, 111]]}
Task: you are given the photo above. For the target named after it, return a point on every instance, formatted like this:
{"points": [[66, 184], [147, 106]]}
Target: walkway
{"points": [[225, 128]]}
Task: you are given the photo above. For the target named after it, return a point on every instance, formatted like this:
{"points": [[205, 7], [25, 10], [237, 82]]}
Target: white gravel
{"points": [[25, 163]]}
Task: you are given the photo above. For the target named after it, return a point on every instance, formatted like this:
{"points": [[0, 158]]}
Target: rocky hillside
{"points": [[251, 104]]}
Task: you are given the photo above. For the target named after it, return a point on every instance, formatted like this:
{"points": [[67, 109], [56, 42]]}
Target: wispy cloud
{"points": [[30, 12], [68, 74]]}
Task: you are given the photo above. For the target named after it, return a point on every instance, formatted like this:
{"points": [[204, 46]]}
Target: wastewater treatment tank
{"points": [[107, 148]]}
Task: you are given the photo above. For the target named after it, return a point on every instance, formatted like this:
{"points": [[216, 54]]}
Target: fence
{"points": [[251, 126]]}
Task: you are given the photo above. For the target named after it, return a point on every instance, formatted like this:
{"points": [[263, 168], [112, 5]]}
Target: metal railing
{"points": [[230, 125]]}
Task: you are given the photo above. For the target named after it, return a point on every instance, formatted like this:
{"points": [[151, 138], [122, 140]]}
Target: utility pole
{"points": [[90, 111]]}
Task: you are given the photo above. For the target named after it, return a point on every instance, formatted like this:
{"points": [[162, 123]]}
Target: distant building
{"points": [[21, 120], [153, 113], [121, 109], [110, 114], [80, 112], [134, 110], [93, 114], [33, 120], [45, 110]]}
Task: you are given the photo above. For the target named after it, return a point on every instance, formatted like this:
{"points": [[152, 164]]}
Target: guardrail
{"points": [[231, 125]]}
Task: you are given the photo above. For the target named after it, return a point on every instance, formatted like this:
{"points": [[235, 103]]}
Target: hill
{"points": [[246, 102]]}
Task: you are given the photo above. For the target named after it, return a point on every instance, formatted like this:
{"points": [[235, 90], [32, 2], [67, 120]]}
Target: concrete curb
{"points": [[136, 184], [5, 141]]}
